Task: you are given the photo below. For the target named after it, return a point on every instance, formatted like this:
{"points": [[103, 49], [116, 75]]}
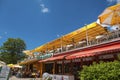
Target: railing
{"points": [[100, 39]]}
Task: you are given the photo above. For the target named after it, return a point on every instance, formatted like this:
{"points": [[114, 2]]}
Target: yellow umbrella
{"points": [[27, 52], [111, 15], [17, 66], [10, 65]]}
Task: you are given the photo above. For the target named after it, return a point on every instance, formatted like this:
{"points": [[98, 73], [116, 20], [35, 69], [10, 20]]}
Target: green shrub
{"points": [[102, 71]]}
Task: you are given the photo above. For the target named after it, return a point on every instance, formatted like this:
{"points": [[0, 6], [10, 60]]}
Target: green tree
{"points": [[12, 50], [102, 71]]}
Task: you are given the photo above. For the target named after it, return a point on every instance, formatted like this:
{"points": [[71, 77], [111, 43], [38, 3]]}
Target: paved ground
{"points": [[14, 78]]}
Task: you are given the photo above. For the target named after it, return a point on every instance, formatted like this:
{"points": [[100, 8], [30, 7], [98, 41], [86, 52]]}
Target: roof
{"points": [[28, 52], [92, 29], [28, 62]]}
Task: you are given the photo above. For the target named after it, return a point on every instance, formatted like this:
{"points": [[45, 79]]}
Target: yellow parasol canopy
{"points": [[10, 65], [111, 15], [17, 66], [28, 52], [93, 30]]}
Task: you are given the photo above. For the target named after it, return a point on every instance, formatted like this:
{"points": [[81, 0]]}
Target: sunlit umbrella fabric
{"points": [[10, 65], [111, 15]]}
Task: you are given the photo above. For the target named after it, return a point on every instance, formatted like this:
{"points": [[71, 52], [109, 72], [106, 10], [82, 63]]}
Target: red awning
{"points": [[93, 52], [59, 57]]}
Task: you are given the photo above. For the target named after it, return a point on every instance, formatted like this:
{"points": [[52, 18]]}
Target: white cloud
{"points": [[5, 32], [44, 9], [118, 1], [42, 5], [0, 37], [111, 1]]}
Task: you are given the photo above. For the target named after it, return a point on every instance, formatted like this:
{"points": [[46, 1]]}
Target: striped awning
{"points": [[96, 51]]}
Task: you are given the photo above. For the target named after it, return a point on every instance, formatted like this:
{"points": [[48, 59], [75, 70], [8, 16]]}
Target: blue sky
{"points": [[40, 21]]}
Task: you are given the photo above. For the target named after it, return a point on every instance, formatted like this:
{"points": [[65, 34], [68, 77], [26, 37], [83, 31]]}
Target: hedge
{"points": [[101, 71]]}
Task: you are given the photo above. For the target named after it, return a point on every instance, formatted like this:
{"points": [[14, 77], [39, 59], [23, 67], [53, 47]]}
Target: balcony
{"points": [[99, 39]]}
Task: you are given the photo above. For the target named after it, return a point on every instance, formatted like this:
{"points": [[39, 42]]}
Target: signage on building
{"points": [[88, 59], [106, 56], [76, 60], [59, 62], [66, 61], [45, 56]]}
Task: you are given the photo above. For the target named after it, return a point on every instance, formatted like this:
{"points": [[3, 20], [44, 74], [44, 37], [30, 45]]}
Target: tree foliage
{"points": [[102, 71], [12, 50]]}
